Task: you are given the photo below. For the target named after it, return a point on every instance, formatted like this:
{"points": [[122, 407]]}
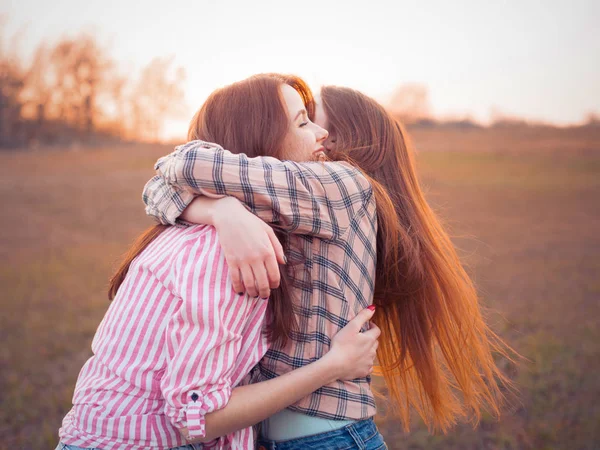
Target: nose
{"points": [[321, 133]]}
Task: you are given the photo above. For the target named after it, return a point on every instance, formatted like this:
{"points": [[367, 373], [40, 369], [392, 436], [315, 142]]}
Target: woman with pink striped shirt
{"points": [[172, 354]]}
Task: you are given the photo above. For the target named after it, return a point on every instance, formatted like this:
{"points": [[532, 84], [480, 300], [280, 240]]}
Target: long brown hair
{"points": [[245, 117], [435, 350]]}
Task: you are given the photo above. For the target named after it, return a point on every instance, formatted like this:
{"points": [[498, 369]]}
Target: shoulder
{"points": [[335, 170], [192, 237], [346, 169], [176, 241], [350, 180], [182, 251]]}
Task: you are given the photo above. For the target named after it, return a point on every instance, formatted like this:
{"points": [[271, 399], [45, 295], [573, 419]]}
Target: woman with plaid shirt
{"points": [[434, 343], [325, 213]]}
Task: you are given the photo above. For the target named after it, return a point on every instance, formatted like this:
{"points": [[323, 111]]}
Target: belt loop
{"points": [[356, 436]]}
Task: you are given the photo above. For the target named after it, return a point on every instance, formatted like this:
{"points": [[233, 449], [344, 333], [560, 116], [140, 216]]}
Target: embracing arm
{"points": [[204, 339], [313, 198], [250, 246], [349, 358]]}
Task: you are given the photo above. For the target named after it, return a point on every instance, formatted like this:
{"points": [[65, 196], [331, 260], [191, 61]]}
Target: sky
{"points": [[535, 59]]}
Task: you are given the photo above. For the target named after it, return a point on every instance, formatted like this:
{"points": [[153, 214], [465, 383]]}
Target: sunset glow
{"points": [[529, 59]]}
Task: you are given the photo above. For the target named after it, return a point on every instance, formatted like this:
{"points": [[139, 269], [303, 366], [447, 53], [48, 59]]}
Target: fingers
{"points": [[255, 281], [361, 319], [374, 331], [273, 272], [271, 262], [276, 246], [236, 280], [249, 283], [262, 281]]}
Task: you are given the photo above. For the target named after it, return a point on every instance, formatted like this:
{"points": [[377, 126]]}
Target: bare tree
{"points": [[37, 93], [72, 90], [410, 102], [81, 73], [592, 119], [115, 99], [157, 95], [12, 82]]}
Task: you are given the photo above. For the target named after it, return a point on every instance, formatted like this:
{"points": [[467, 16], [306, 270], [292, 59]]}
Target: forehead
{"points": [[291, 99]]}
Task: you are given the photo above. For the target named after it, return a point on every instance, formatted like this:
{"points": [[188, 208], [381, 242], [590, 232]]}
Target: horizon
{"points": [[476, 60]]}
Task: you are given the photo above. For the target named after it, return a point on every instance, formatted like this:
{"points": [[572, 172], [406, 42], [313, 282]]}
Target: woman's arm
{"points": [[315, 198], [164, 201], [204, 338], [203, 335], [251, 248], [351, 356]]}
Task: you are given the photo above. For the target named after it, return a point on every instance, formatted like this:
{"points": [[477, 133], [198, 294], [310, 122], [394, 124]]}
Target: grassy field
{"points": [[524, 209]]}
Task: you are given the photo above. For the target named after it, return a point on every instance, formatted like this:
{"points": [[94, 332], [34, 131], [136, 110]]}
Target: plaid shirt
{"points": [[328, 209]]}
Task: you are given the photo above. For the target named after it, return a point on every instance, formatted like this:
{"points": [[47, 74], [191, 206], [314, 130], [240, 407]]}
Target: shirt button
{"points": [[194, 397]]}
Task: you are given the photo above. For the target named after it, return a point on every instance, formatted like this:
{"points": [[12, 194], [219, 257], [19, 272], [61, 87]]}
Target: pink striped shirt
{"points": [[172, 345]]}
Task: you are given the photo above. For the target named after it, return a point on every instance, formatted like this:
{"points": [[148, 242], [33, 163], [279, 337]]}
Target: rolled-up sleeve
{"points": [[198, 402], [203, 340], [164, 201]]}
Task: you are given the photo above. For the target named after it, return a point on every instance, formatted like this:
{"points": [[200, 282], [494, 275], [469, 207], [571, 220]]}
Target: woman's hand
{"points": [[352, 353], [251, 248], [351, 356]]}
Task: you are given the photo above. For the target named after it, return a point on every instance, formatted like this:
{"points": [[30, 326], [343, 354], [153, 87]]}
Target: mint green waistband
{"points": [[288, 424]]}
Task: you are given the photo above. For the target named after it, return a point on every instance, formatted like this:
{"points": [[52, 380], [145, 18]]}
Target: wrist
{"points": [[330, 366], [222, 210]]}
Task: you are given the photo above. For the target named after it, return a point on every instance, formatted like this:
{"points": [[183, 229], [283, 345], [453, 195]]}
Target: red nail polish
{"points": [[371, 307]]}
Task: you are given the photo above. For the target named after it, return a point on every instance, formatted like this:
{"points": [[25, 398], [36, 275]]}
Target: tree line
{"points": [[73, 91]]}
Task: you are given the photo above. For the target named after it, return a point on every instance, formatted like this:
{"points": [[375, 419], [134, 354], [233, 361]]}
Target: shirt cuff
{"points": [[200, 404], [195, 412], [173, 209], [165, 202]]}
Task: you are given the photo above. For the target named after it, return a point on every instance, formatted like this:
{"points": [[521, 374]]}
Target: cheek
{"points": [[300, 144], [308, 143]]}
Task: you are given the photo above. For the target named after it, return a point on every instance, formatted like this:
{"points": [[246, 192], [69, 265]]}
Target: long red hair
{"points": [[435, 351], [245, 117]]}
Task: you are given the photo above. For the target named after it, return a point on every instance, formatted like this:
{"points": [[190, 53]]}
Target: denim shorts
{"points": [[361, 435], [62, 446]]}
